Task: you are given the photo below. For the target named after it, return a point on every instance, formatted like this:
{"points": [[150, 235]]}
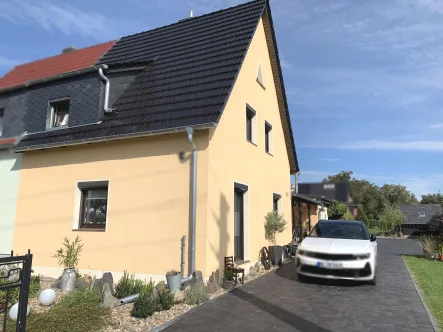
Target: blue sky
{"points": [[364, 79]]}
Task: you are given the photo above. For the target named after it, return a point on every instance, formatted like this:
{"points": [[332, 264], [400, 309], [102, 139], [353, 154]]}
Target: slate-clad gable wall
{"points": [[84, 94], [14, 105]]}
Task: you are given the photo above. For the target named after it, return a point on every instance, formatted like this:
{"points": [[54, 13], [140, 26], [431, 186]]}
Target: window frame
{"points": [[2, 118], [83, 187], [50, 113], [276, 199], [269, 138], [251, 124]]}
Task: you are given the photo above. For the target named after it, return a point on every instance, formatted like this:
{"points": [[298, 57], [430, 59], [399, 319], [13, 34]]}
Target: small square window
{"points": [[268, 137], [94, 204], [58, 114], [2, 111], [250, 124]]}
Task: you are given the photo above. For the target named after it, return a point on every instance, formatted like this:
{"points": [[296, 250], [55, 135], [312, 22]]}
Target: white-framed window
{"points": [[92, 205], [2, 113], [251, 124], [58, 113], [269, 138]]}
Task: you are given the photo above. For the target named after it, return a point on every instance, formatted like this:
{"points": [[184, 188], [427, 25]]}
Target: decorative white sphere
{"points": [[47, 297], [14, 311]]}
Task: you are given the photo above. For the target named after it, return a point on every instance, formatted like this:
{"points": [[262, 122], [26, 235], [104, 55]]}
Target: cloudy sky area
{"points": [[364, 79]]}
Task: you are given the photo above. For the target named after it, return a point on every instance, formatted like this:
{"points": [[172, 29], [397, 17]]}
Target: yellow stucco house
{"points": [[202, 99]]}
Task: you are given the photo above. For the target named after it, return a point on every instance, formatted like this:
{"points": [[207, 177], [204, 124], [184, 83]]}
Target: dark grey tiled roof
{"points": [[187, 71], [412, 213]]}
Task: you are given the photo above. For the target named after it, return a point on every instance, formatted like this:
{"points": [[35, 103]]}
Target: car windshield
{"points": [[340, 230]]}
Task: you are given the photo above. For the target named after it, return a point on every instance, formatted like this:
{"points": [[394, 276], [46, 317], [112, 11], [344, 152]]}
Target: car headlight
{"points": [[363, 256]]}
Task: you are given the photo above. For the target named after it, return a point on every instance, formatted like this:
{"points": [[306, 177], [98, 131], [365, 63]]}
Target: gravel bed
{"points": [[120, 317]]}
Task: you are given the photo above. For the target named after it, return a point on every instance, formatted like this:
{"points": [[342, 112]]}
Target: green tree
{"points": [[436, 198], [361, 215], [343, 176], [390, 217], [396, 194], [337, 210]]}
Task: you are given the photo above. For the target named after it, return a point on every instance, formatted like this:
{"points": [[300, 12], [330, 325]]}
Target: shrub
{"points": [[361, 215], [348, 215], [390, 217], [229, 275], [78, 311], [274, 223], [196, 294], [14, 293], [68, 254], [128, 285], [146, 303], [337, 210], [428, 242], [165, 299]]}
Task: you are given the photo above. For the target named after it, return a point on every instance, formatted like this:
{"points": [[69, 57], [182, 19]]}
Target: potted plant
{"points": [[68, 256], [440, 252], [429, 246], [173, 278], [274, 223], [228, 279]]}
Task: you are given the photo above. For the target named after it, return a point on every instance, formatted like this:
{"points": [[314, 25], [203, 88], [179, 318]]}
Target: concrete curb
{"points": [[431, 317]]}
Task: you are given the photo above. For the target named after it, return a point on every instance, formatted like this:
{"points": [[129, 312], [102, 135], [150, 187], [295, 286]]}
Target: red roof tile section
{"points": [[55, 65]]}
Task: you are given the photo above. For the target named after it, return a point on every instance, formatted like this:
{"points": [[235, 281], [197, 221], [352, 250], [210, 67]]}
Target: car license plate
{"points": [[329, 265]]}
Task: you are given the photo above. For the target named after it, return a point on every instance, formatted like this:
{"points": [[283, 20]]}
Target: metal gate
{"points": [[15, 272]]}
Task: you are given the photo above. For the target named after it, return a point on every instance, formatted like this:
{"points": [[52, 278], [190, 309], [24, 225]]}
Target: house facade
{"points": [[120, 175], [419, 218]]}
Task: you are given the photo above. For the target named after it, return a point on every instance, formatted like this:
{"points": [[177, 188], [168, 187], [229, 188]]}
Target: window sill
{"points": [[89, 230], [251, 142], [269, 153], [261, 84], [57, 128]]}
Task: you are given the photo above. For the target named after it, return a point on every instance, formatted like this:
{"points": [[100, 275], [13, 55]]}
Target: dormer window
{"points": [[58, 114], [421, 214]]}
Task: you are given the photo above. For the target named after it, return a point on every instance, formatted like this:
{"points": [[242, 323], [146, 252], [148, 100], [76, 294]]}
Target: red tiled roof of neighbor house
{"points": [[55, 65]]}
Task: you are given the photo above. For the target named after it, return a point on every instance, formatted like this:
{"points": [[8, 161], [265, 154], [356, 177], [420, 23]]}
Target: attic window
{"points": [[260, 77], [251, 125], [58, 114], [421, 214]]}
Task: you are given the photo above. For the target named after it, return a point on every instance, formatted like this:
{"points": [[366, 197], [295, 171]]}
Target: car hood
{"points": [[337, 246]]}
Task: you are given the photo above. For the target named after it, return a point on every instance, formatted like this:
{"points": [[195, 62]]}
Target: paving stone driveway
{"points": [[278, 302]]}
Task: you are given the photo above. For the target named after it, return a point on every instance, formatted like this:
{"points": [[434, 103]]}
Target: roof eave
{"points": [[114, 137]]}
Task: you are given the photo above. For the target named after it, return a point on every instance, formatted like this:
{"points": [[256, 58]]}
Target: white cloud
{"points": [[62, 17], [429, 146], [436, 125]]}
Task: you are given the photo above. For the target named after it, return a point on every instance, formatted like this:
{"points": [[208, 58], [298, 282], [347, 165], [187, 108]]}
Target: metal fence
{"points": [[15, 272]]}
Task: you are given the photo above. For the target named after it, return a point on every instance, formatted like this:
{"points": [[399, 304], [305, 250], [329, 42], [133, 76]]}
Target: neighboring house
{"points": [[418, 217], [309, 210], [339, 191], [24, 95], [118, 174]]}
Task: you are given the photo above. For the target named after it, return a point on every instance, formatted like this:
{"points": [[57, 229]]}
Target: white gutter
{"points": [[113, 137]]}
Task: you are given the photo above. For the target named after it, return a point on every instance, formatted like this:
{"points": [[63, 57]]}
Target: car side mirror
{"points": [[372, 237]]}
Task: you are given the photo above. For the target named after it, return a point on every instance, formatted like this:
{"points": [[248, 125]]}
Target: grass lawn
{"points": [[429, 277], [375, 231]]}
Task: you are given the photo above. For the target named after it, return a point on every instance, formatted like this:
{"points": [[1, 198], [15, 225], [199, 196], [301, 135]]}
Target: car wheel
{"points": [[373, 282]]}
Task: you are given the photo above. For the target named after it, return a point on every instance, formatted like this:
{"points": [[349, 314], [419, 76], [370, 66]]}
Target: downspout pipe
{"points": [[193, 204], [296, 182], [193, 216], [106, 107]]}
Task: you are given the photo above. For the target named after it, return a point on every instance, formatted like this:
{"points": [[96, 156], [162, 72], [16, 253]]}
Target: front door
{"points": [[238, 225]]}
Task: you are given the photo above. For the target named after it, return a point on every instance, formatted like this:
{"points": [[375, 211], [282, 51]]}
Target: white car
{"points": [[338, 249]]}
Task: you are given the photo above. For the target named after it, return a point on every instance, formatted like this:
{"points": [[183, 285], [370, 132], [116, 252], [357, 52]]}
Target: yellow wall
{"points": [[148, 203], [233, 158], [148, 207]]}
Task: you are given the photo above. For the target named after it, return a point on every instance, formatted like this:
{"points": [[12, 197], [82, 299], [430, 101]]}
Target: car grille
{"points": [[345, 273]]}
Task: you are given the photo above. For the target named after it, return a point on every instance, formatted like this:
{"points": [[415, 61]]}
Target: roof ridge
{"points": [[56, 55], [198, 17]]}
